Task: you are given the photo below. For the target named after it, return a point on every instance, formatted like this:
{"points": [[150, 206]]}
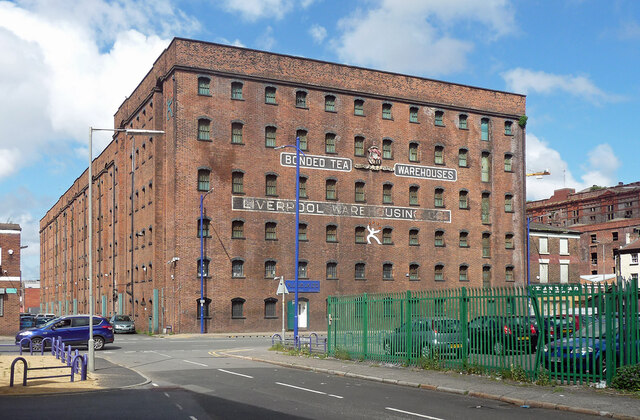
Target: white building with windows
{"points": [[555, 255], [627, 259]]}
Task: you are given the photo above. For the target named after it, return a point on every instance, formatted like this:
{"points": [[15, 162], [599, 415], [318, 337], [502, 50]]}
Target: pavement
{"points": [[578, 399]]}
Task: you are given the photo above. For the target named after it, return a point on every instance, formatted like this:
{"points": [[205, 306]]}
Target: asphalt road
{"points": [[193, 379]]}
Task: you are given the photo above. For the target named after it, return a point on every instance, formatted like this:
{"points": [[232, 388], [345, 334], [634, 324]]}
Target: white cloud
{"points": [[525, 81], [600, 169], [318, 33], [266, 41], [415, 36], [235, 43], [252, 10], [629, 30]]}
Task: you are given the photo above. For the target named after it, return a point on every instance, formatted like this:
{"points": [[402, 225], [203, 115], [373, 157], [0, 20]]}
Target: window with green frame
{"points": [[387, 197], [438, 155], [301, 99], [486, 276], [387, 236], [330, 103], [358, 107], [462, 158], [462, 121], [302, 270], [414, 273], [508, 203], [330, 143], [360, 236], [358, 146], [302, 232], [484, 129], [485, 167], [270, 95], [204, 127], [464, 272], [203, 85], [270, 232], [332, 270], [438, 197], [386, 111], [486, 207], [237, 182], [463, 199], [508, 162], [360, 271], [236, 133], [205, 228], [387, 152], [413, 152], [203, 179], [438, 272], [439, 238], [236, 90], [271, 182], [332, 233], [270, 136], [463, 239], [508, 241], [486, 245], [413, 237], [303, 187], [508, 273], [269, 269], [302, 135], [330, 187], [413, 114], [507, 128], [439, 118], [413, 195], [237, 229], [359, 192], [387, 271]]}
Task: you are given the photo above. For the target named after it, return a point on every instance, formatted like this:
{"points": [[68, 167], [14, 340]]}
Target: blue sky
{"points": [[67, 65]]}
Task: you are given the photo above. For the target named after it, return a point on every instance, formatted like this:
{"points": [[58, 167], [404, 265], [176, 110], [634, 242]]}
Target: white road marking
{"points": [[192, 418], [235, 373], [130, 351], [161, 354], [308, 390], [413, 414], [154, 384], [195, 363], [167, 395], [179, 406]]}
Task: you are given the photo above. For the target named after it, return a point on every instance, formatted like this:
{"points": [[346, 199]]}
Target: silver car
{"points": [[123, 324]]}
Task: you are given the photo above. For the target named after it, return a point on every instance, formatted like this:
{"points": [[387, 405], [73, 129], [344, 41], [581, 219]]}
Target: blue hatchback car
{"points": [[74, 330]]}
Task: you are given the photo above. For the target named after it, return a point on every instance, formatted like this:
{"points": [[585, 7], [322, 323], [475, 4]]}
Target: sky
{"points": [[67, 65]]}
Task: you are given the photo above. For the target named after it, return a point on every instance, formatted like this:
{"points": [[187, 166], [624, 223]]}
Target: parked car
{"points": [[429, 336], [555, 327], [73, 329], [42, 319], [27, 321], [498, 334], [123, 324]]}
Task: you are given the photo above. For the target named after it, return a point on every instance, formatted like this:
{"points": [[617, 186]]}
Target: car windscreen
{"points": [[122, 318], [595, 329], [446, 325], [50, 323]]}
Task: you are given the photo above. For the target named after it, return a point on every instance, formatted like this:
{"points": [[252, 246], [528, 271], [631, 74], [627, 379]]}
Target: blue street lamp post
{"points": [[297, 262], [202, 196]]}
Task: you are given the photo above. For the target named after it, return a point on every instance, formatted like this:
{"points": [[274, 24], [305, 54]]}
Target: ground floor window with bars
{"points": [[205, 308], [237, 308], [270, 308]]}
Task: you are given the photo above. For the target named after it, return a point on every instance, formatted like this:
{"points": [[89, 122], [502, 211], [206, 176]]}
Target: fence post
{"points": [[408, 324], [610, 315], [329, 322], [465, 326], [365, 326]]}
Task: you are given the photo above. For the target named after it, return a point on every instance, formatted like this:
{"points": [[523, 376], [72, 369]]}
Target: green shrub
{"points": [[342, 354], [519, 374], [627, 378], [543, 378], [277, 347], [522, 122], [430, 362]]}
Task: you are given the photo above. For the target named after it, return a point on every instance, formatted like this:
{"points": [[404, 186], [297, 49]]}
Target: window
{"points": [[237, 308], [387, 197], [484, 129], [301, 99], [360, 271], [205, 309], [414, 272], [358, 146], [508, 203], [237, 268], [438, 197], [270, 136], [486, 245], [386, 149], [331, 189], [237, 229], [463, 272], [358, 107], [508, 162], [303, 187], [564, 246], [463, 199], [270, 95], [508, 273], [386, 236], [507, 128], [413, 195], [330, 143], [439, 238], [270, 231], [203, 85], [413, 114], [330, 103], [269, 269], [594, 239], [360, 239], [302, 270], [413, 152], [204, 267], [564, 273], [237, 182], [302, 232], [236, 90], [203, 129], [544, 245], [634, 259], [332, 233], [413, 237], [439, 118], [359, 190], [508, 241], [387, 271], [386, 112], [270, 308], [544, 273], [462, 158], [302, 135], [203, 179], [205, 228], [462, 122], [332, 270], [438, 272], [236, 133], [271, 185], [486, 207], [614, 236], [486, 276], [438, 156], [485, 167]]}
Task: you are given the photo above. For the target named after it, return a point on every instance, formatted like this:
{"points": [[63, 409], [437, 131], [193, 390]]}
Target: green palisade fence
{"points": [[575, 333]]}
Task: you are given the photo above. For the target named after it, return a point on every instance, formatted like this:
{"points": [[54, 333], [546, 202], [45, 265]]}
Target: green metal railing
{"points": [[563, 329]]}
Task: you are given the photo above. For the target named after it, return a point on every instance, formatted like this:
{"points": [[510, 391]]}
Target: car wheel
{"points": [[36, 344], [98, 342], [498, 348]]}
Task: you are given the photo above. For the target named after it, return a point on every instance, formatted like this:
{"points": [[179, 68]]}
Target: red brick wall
{"points": [[10, 319]]}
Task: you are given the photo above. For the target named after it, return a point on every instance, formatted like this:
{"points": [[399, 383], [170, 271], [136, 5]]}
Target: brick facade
{"points": [[9, 278], [166, 195]]}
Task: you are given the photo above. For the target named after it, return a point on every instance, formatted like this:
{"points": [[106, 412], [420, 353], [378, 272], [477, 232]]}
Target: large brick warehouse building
{"points": [[406, 183]]}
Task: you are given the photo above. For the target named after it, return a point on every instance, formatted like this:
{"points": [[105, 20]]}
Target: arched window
{"points": [[237, 308], [237, 268]]}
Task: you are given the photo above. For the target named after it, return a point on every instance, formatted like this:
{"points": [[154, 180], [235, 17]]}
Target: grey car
{"points": [[429, 336], [123, 324]]}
